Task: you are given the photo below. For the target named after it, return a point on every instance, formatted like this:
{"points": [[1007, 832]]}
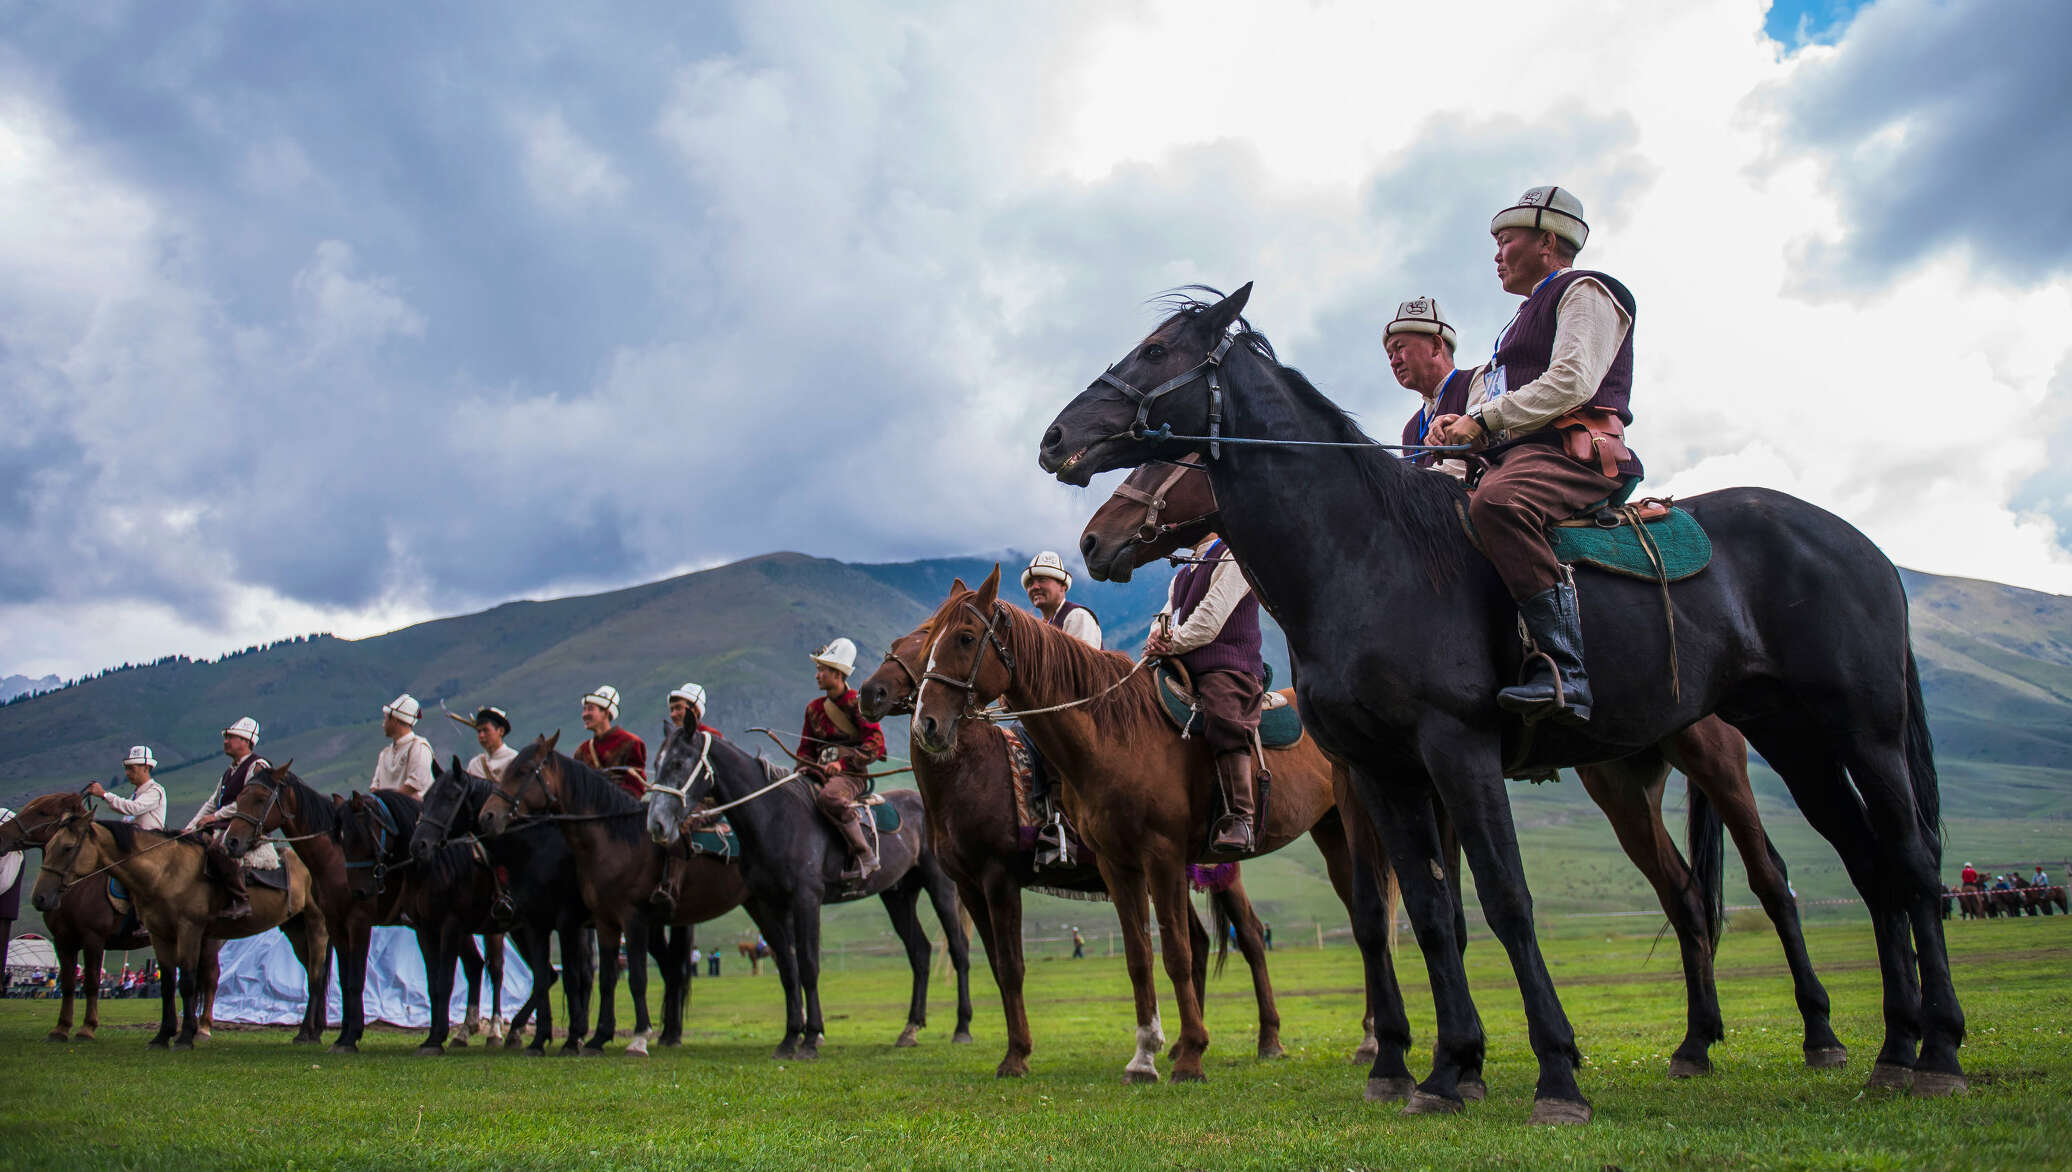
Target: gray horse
{"points": [[792, 862]]}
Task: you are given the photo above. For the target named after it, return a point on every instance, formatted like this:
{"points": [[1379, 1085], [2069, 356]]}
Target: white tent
{"points": [[263, 983], [31, 952]]}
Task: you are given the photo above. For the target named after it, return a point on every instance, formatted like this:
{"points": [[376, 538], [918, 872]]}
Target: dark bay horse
{"points": [[1161, 508], [975, 830], [1139, 794], [537, 898], [617, 868], [168, 880], [792, 862], [85, 925], [1796, 635]]}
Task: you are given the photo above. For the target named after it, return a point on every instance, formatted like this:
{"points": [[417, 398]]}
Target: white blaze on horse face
{"points": [[921, 689], [1150, 1040]]}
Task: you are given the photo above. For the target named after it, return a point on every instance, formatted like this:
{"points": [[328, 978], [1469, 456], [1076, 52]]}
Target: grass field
{"points": [[249, 1099]]}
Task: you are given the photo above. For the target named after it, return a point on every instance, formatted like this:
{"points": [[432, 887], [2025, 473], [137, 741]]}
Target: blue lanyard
{"points": [[1424, 413]]}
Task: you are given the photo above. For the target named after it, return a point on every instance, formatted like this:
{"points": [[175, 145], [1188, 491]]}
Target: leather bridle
{"points": [[991, 638], [913, 679], [1154, 502], [273, 798], [1210, 367]]}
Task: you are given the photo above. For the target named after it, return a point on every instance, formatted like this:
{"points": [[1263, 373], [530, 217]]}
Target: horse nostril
{"points": [[1087, 544], [1053, 437]]}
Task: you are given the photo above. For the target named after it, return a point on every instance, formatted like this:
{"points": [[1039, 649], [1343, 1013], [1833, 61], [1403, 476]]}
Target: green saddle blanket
{"points": [[722, 842], [1677, 537], [1278, 727], [886, 816]]}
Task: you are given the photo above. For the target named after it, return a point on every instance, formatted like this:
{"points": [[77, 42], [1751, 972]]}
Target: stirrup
{"points": [[1053, 845]]}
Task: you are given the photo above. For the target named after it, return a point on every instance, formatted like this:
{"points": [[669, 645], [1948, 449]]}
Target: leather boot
{"points": [[231, 877], [1556, 626], [1234, 829], [863, 860], [663, 898]]}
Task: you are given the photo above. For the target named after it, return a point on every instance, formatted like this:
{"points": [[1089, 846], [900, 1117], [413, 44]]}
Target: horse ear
{"points": [[957, 586], [989, 590], [1215, 321], [284, 767], [552, 741]]}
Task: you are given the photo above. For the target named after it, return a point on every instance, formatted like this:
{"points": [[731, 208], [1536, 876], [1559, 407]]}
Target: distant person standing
{"points": [[491, 727], [1268, 930], [612, 750], [145, 807], [712, 963], [405, 763], [696, 956], [1078, 945]]}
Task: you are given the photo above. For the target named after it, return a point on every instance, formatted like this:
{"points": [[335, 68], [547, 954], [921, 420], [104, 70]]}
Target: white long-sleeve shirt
{"points": [[1227, 588], [1589, 327], [145, 808], [208, 808], [405, 764], [490, 766], [1081, 625], [11, 862]]}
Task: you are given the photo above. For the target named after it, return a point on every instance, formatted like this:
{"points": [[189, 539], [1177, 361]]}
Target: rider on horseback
{"points": [[838, 744], [1046, 582], [239, 742], [1210, 623], [612, 750], [491, 726], [405, 763], [1420, 344], [686, 710], [1549, 430], [145, 807]]}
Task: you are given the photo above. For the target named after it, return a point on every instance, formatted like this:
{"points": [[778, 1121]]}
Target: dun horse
{"points": [[168, 879], [1141, 799], [975, 829], [792, 861], [86, 924], [1163, 507], [1400, 636]]}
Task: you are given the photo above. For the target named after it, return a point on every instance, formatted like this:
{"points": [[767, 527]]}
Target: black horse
{"points": [[792, 863], [536, 897], [1797, 635]]}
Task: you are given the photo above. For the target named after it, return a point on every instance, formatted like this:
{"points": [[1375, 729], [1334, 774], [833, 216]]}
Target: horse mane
{"points": [[402, 807], [587, 791], [1054, 663], [125, 833], [313, 808], [1427, 505]]}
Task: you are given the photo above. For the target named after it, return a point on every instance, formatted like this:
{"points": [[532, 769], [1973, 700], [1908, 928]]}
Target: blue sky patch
{"points": [[1797, 23]]}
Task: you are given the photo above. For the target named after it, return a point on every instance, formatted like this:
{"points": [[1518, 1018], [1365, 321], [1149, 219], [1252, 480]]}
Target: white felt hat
{"points": [[1552, 209], [691, 694], [839, 655], [404, 708], [605, 697], [1421, 315], [141, 755], [245, 727], [1046, 565]]}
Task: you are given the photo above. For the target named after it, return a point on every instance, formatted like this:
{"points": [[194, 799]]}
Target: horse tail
{"points": [[1704, 836], [1222, 916], [1920, 756], [1391, 895]]}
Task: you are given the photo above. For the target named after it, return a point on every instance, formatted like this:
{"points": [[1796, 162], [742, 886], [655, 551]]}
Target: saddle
{"points": [[1040, 825], [275, 878], [1650, 539], [881, 813], [130, 922], [1279, 724], [708, 834]]}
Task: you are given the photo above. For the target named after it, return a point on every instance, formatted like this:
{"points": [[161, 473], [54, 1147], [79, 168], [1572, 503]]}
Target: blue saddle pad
{"points": [[886, 815], [1278, 727], [1677, 537], [724, 843]]}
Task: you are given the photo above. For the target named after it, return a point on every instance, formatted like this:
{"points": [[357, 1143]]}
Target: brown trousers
{"points": [[1230, 709], [836, 794], [1515, 502]]}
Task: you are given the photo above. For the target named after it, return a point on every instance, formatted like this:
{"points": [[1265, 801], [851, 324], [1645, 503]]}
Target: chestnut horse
{"points": [[1161, 508], [168, 879], [85, 922], [976, 832], [1140, 793]]}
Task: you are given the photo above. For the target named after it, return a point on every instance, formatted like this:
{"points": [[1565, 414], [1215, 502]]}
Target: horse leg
{"points": [[168, 954], [900, 900], [676, 982], [535, 947], [1166, 876], [1714, 756], [1126, 889], [352, 986], [470, 960], [640, 942], [996, 909], [189, 976], [1629, 792], [806, 959], [442, 945], [608, 938], [578, 976], [776, 929], [68, 961], [942, 896], [1251, 943], [1358, 866], [493, 960], [297, 932], [211, 972], [91, 974]]}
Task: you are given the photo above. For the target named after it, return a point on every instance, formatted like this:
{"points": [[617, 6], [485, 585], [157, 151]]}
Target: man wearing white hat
{"points": [[405, 762], [687, 709], [240, 744], [1550, 428], [10, 895], [145, 807], [491, 727], [612, 750], [840, 744], [1046, 581], [1420, 342]]}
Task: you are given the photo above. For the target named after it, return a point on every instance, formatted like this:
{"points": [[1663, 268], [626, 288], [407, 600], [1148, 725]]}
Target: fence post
{"points": [[1320, 935]]}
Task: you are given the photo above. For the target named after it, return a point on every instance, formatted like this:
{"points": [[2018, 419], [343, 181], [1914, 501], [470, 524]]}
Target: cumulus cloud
{"points": [[339, 322]]}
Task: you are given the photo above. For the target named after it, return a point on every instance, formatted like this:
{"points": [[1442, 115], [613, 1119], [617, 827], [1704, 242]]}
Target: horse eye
{"points": [[1154, 352], [966, 639]]}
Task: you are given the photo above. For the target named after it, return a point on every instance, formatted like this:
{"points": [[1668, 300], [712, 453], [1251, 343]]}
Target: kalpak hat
{"points": [[605, 697], [1047, 565], [404, 708], [1421, 315], [1550, 209], [247, 728], [141, 755], [839, 655], [690, 694]]}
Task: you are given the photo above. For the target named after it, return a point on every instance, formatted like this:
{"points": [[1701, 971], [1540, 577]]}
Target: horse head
{"points": [[968, 664], [39, 818], [258, 810], [361, 840], [1106, 426], [442, 809], [70, 849], [530, 786], [889, 691], [1159, 508]]}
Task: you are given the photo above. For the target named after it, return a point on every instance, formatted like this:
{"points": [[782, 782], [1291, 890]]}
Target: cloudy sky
{"points": [[334, 317]]}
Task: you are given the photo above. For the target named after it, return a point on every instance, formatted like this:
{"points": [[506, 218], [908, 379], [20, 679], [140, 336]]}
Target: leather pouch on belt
{"points": [[1594, 436]]}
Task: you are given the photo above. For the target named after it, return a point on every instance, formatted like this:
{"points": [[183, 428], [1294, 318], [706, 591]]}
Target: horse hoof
{"points": [[809, 1053], [533, 1052], [57, 1036], [1827, 1057], [1364, 1056], [513, 1042], [961, 1038], [83, 1036], [183, 1043], [591, 1052], [1134, 1077], [1934, 1084], [430, 1051], [1473, 1090], [344, 1048], [305, 1040], [1271, 1050], [1425, 1103], [1689, 1067], [1389, 1090], [787, 1050], [907, 1036], [202, 1032], [1557, 1112], [1890, 1076], [637, 1048], [1188, 1076], [156, 1044], [458, 1040], [1011, 1068]]}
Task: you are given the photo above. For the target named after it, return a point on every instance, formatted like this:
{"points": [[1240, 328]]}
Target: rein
{"points": [[969, 684], [1165, 432]]}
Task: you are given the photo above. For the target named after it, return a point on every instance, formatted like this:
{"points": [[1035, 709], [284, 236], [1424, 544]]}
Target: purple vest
{"points": [[233, 782], [1236, 646], [1527, 349], [1452, 400], [1058, 619]]}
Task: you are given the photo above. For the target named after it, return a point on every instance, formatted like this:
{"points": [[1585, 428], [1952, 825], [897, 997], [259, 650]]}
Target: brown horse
{"points": [[976, 832], [168, 879], [753, 951], [86, 922], [1140, 794], [617, 868], [1161, 508]]}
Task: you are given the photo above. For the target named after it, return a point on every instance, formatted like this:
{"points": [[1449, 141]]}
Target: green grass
{"points": [[249, 1099]]}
